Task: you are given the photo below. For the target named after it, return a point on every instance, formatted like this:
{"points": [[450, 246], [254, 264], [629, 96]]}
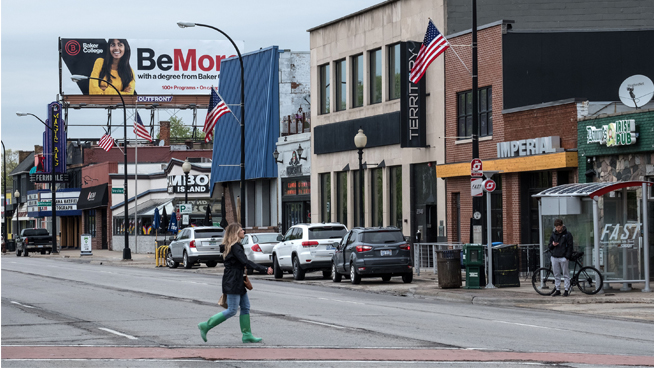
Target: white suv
{"points": [[306, 248]]}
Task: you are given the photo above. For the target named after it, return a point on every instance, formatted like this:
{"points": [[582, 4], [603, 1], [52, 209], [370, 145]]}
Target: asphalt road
{"points": [[49, 306]]}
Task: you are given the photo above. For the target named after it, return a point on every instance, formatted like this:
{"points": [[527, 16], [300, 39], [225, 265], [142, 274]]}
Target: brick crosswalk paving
{"points": [[314, 354]]}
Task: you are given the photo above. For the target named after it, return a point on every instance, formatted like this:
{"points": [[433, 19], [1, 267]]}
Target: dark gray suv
{"points": [[372, 252]]}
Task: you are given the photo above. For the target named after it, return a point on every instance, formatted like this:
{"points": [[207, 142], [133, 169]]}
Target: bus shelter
{"points": [[609, 223]]}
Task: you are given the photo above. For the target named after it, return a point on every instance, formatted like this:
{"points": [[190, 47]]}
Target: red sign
{"points": [[476, 168], [489, 185], [476, 187]]}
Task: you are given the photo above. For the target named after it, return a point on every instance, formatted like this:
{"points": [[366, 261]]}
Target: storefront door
{"points": [[296, 213]]}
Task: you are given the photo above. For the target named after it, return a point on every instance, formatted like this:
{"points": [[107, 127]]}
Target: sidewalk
{"points": [[613, 302]]}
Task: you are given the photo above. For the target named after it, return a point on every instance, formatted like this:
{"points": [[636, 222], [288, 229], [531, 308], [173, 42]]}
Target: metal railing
{"points": [[529, 259], [425, 254]]}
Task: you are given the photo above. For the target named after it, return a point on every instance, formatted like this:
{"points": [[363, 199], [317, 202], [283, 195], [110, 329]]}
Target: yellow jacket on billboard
{"points": [[95, 85]]}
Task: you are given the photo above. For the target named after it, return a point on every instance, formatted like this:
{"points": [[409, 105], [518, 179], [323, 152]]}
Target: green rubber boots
{"points": [[245, 329], [214, 321]]}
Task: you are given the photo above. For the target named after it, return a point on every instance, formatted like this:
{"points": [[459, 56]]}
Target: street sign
{"points": [[185, 219], [186, 209], [45, 204], [489, 185], [476, 187], [476, 168], [117, 191]]}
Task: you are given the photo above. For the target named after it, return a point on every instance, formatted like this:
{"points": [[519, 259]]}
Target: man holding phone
{"points": [[560, 246]]}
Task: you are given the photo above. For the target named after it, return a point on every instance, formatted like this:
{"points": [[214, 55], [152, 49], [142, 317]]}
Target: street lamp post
{"points": [[127, 253], [17, 196], [53, 189], [240, 59], [360, 141], [186, 167], [4, 191]]}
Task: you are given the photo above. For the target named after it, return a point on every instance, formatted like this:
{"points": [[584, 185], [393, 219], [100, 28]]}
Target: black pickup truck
{"points": [[33, 240]]}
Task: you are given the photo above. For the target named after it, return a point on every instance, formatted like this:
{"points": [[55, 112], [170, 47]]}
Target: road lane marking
{"points": [[341, 301], [322, 324], [118, 333], [526, 325], [23, 305]]}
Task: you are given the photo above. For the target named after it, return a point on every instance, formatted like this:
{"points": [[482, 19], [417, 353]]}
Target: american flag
{"points": [[140, 130], [433, 45], [217, 108], [106, 142]]}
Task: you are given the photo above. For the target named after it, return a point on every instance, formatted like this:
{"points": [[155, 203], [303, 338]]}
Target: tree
{"points": [[12, 162], [180, 131]]}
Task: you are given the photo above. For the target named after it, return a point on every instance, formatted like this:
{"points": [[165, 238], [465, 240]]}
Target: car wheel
{"points": [[407, 278], [212, 264], [336, 277], [355, 278], [43, 251], [386, 278], [298, 272], [277, 271], [169, 260], [18, 252], [249, 271], [187, 263]]}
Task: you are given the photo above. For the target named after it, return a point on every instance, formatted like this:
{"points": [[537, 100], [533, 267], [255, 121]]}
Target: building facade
{"points": [[367, 55]]}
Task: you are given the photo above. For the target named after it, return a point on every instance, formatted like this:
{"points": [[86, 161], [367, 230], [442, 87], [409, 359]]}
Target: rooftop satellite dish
{"points": [[636, 91], [161, 142]]}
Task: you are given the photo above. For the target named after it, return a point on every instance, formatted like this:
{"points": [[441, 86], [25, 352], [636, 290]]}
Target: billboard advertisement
{"points": [[143, 67]]}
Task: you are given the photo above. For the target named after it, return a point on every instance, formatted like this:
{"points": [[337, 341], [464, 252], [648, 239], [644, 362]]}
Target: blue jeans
{"points": [[234, 301]]}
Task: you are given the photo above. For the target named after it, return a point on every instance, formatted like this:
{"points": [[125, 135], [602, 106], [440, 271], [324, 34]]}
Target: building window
{"points": [[90, 223], [326, 197], [396, 196], [394, 72], [357, 80], [341, 88], [375, 77], [377, 197], [464, 113], [324, 89], [358, 201], [341, 197]]}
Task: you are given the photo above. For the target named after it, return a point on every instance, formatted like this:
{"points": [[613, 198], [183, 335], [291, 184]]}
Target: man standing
{"points": [[561, 250]]}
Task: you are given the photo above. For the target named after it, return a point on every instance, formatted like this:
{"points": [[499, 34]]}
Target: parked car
{"points": [[196, 245], [258, 248], [373, 252], [33, 240], [307, 248]]}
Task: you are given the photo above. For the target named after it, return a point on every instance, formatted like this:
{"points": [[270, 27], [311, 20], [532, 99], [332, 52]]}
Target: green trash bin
{"points": [[473, 260]]}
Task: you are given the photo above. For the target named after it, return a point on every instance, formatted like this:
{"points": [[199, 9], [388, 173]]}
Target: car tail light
{"points": [[27, 240], [363, 248], [405, 247], [309, 243], [192, 244], [256, 248]]}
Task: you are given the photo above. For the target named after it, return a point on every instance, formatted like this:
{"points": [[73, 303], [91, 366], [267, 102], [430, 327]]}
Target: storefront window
{"points": [[377, 197], [90, 222], [326, 197], [396, 196], [341, 197]]}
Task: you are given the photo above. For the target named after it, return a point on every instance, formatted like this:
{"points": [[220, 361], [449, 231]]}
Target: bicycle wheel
{"points": [[543, 281], [589, 280]]}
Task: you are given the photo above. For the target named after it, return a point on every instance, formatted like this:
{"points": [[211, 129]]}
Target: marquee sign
{"points": [[620, 133], [39, 202], [56, 125], [196, 184]]}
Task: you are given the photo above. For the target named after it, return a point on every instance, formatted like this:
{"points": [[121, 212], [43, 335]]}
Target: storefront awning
{"points": [[591, 190], [93, 197], [147, 208]]}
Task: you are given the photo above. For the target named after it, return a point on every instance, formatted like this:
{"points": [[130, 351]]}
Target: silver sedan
{"points": [[258, 247], [196, 245]]}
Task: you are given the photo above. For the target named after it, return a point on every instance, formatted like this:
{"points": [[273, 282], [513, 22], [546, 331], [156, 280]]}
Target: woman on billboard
{"points": [[113, 67]]}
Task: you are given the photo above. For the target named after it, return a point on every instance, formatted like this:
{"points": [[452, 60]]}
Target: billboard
{"points": [[143, 67]]}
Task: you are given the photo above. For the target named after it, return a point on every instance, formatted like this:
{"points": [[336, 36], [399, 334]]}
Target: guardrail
{"points": [[424, 255], [160, 255]]}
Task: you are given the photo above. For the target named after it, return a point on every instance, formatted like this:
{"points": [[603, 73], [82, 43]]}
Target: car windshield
{"points": [[209, 233], [327, 232], [265, 238], [382, 237], [34, 232]]}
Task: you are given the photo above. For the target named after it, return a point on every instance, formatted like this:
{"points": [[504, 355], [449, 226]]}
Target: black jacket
{"points": [[235, 263], [564, 249]]}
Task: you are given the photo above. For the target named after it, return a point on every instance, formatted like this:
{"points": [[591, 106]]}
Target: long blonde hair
{"points": [[231, 237]]}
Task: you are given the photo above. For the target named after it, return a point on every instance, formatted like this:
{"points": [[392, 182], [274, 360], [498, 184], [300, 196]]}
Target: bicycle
{"points": [[588, 279]]}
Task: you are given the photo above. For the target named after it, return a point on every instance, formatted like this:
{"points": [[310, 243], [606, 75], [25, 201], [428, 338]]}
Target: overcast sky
{"points": [[30, 29]]}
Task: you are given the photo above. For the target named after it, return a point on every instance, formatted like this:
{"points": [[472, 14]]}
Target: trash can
{"points": [[11, 245], [505, 266], [448, 263], [473, 259]]}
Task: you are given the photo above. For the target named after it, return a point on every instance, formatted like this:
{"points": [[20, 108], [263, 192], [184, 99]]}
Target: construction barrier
{"points": [[160, 255]]}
